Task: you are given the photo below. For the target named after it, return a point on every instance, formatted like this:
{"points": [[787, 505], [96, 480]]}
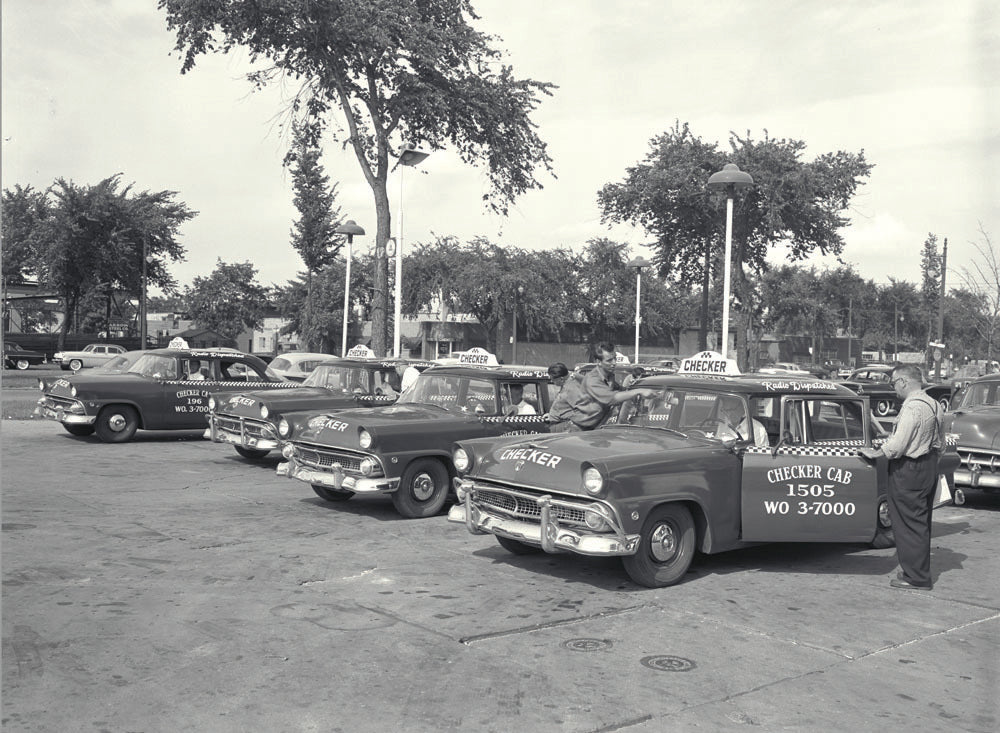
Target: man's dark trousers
{"points": [[911, 499]]}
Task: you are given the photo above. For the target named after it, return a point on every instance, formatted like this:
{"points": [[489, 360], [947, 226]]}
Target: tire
{"points": [[331, 494], [76, 365], [945, 403], [21, 364], [422, 489], [117, 423], [666, 547], [251, 453], [517, 547], [64, 367], [79, 430], [884, 538], [882, 408]]}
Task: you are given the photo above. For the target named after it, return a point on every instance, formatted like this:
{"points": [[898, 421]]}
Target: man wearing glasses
{"points": [[912, 450]]}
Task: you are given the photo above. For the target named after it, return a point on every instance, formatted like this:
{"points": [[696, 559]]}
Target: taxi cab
{"points": [[164, 389], [249, 420], [975, 422], [404, 449], [717, 460]]}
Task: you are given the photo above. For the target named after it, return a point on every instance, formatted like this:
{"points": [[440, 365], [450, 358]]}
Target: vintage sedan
{"points": [[249, 420], [165, 389], [90, 356], [681, 473], [295, 366], [16, 356], [975, 421], [405, 449]]}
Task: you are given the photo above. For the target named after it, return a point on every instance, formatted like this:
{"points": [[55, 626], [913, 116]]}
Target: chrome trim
{"points": [[241, 431], [59, 414], [336, 478]]}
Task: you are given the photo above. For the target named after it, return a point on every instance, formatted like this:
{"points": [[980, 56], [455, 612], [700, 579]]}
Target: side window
{"points": [[519, 397], [237, 371], [835, 420], [480, 396]]}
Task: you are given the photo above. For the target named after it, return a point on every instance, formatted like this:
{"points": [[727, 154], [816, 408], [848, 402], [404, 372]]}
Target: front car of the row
{"points": [[975, 421], [249, 420], [667, 479], [163, 389]]}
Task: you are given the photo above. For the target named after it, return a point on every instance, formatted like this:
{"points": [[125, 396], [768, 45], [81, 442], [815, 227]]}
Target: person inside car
{"points": [[196, 372], [518, 405]]}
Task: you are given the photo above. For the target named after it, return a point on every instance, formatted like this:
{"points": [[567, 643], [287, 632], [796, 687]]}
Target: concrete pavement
{"points": [[167, 584]]}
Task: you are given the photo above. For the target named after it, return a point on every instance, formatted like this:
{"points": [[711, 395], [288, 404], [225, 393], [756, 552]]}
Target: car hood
{"points": [[290, 399], [417, 424], [94, 384], [556, 461], [976, 427]]}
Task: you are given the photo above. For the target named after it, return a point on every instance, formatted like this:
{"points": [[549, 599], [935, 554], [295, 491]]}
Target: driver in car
{"points": [[732, 423]]}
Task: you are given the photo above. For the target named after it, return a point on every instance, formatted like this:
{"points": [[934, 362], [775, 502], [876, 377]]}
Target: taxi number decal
{"points": [[191, 408], [840, 478], [816, 508], [532, 455]]}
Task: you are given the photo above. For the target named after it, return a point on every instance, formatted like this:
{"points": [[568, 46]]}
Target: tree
{"points": [[395, 70], [229, 300], [795, 203], [982, 280], [24, 209], [93, 239], [313, 236], [930, 287]]}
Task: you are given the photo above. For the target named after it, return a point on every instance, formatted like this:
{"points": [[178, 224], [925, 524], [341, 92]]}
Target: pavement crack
{"points": [[469, 640]]}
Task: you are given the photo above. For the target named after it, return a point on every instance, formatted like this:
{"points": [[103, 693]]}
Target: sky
{"points": [[91, 88]]}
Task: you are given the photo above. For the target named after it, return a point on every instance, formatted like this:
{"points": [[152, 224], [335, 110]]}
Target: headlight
{"points": [[72, 390], [41, 385], [288, 450], [462, 460], [284, 429], [365, 439], [596, 517], [211, 404], [593, 481], [264, 412], [368, 466]]}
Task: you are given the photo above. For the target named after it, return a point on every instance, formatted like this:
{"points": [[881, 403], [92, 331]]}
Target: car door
{"points": [[186, 399], [534, 394], [813, 486]]}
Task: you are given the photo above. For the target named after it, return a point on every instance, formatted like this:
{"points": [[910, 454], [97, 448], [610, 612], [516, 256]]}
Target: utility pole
{"points": [[940, 320]]}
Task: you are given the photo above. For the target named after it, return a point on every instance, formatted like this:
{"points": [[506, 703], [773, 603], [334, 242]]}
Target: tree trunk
{"points": [[705, 280], [308, 330], [381, 299]]}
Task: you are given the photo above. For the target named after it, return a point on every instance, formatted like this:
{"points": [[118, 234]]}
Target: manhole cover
{"points": [[587, 645], [663, 663]]}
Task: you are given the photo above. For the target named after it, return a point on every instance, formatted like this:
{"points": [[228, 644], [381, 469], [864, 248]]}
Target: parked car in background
{"points": [[874, 380], [783, 367], [91, 355], [17, 357], [974, 421], [296, 365], [164, 389]]}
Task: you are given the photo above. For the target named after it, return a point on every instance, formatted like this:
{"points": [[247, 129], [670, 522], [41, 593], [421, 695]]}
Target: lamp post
{"points": [[350, 229], [408, 156], [513, 339], [142, 302], [728, 180], [638, 263]]}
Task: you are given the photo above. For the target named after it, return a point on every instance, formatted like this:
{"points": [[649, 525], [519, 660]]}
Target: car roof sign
{"points": [[361, 351], [178, 343], [478, 357], [709, 362], [620, 358]]}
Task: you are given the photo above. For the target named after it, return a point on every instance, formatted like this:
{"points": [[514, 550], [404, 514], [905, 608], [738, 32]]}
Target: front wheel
{"points": [[21, 364], [79, 430], [331, 494], [666, 547], [117, 423], [422, 489], [884, 538], [883, 408], [517, 547], [251, 453], [76, 365]]}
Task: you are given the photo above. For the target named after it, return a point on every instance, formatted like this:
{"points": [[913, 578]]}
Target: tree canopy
{"points": [[394, 72], [229, 300]]}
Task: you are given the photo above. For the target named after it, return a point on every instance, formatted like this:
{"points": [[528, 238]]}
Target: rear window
{"points": [[280, 363]]}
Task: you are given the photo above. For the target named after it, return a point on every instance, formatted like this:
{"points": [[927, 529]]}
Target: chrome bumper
{"points": [[213, 433], [335, 478], [976, 478], [66, 418], [547, 534]]}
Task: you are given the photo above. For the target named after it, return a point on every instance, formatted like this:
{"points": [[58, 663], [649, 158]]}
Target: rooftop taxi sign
{"points": [[360, 352], [709, 363], [478, 357]]}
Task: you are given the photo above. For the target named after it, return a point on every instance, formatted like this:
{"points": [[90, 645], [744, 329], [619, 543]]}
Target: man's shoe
{"points": [[900, 583]]}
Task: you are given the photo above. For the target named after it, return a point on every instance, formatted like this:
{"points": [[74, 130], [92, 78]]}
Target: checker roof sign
{"points": [[709, 362], [360, 351], [478, 357]]}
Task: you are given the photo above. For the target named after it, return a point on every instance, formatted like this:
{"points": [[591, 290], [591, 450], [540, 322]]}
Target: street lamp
{"points": [[408, 156], [350, 229], [728, 180], [513, 339], [146, 259], [638, 263]]}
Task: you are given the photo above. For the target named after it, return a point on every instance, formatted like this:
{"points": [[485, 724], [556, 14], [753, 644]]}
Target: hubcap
{"points": [[423, 487], [883, 515], [22, 364], [117, 423], [663, 543]]}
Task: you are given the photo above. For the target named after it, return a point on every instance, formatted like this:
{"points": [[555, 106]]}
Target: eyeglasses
{"points": [[898, 379]]}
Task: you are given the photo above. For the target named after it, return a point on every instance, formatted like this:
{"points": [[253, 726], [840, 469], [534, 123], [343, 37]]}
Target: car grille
{"points": [[523, 505], [985, 462], [244, 426], [316, 456], [60, 402]]}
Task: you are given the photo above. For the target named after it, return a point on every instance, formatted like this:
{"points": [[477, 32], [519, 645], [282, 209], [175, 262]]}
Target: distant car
{"points": [[165, 389], [91, 355], [784, 367], [295, 366], [875, 381], [975, 424], [669, 365], [16, 357]]}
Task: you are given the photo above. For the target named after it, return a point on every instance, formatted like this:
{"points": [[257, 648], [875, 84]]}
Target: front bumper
{"points": [[548, 534], [979, 469], [241, 432], [59, 413], [335, 478]]}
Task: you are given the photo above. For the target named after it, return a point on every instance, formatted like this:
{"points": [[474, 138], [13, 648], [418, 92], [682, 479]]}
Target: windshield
{"points": [[709, 414], [454, 392], [347, 379], [980, 394], [155, 366]]}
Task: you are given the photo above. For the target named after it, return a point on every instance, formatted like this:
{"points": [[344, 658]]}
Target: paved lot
{"points": [[168, 585]]}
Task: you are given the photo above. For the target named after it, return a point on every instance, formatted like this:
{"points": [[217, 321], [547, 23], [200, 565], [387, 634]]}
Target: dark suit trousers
{"points": [[911, 498]]}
